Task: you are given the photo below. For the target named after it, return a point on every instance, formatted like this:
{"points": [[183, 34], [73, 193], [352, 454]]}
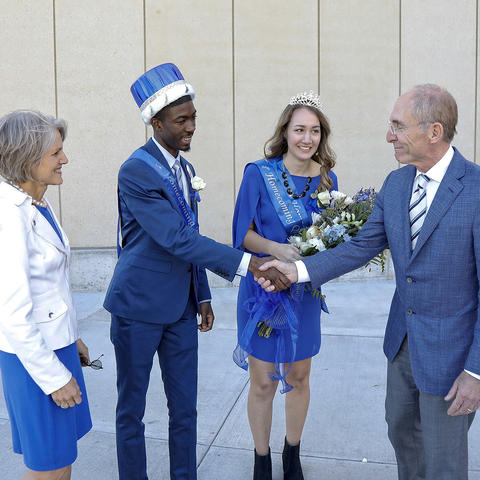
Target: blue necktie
{"points": [[418, 208], [178, 174]]}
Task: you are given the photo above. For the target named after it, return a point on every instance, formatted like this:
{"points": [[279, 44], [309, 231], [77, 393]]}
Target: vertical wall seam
{"points": [[318, 47], [144, 13], [475, 120], [55, 93], [400, 47], [233, 109]]}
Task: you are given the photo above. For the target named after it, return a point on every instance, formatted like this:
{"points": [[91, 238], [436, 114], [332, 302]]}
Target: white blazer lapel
{"points": [[42, 227]]}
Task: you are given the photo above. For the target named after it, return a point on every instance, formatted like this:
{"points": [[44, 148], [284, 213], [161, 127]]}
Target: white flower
{"points": [[316, 217], [324, 197], [303, 246], [312, 232], [317, 243], [295, 240], [198, 183], [336, 195], [348, 201]]}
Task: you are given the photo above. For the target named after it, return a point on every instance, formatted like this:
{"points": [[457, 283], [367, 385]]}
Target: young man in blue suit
{"points": [[160, 285], [428, 214]]}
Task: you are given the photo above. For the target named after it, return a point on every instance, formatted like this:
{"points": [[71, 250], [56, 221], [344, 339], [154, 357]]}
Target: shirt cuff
{"points": [[205, 301], [243, 267], [473, 374], [302, 272]]}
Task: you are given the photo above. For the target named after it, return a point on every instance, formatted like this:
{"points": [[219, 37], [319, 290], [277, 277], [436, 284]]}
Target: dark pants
{"points": [[135, 346], [428, 443]]}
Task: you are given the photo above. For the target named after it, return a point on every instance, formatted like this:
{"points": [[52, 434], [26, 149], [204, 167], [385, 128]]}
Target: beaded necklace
{"points": [[289, 190], [37, 203]]}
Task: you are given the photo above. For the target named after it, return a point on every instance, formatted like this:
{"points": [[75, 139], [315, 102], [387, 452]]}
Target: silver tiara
{"points": [[311, 99]]}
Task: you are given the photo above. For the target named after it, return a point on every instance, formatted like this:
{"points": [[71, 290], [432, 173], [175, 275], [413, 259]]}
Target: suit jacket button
{"points": [[409, 279], [409, 311]]}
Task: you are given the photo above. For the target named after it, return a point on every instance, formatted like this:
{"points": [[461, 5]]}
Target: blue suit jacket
{"points": [[152, 278], [437, 285]]}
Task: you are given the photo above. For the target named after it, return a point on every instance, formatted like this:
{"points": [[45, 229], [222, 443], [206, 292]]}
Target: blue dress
{"points": [[43, 432], [254, 204]]}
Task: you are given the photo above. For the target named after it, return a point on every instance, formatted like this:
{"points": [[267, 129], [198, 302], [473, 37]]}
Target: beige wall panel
{"points": [[477, 143], [276, 56], [27, 56], [197, 37], [99, 55], [28, 67], [438, 46], [359, 73]]}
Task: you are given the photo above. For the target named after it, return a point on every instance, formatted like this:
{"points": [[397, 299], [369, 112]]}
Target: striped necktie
{"points": [[418, 208], [178, 174]]}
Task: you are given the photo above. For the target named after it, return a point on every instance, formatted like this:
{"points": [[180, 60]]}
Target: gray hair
{"points": [[25, 137], [434, 104]]}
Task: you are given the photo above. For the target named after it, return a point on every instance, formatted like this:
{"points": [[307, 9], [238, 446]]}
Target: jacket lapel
{"points": [[155, 152], [42, 228], [447, 192]]}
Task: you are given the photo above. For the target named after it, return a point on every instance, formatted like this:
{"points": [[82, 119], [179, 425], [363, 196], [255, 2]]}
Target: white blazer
{"points": [[36, 309]]}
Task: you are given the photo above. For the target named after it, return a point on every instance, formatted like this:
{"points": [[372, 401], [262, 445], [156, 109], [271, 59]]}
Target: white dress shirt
{"points": [[243, 267]]}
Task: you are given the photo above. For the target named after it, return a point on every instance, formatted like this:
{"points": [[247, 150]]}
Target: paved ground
{"points": [[345, 423]]}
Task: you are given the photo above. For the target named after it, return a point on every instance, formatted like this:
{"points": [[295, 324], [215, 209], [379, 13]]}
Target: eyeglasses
{"points": [[394, 130], [96, 364]]}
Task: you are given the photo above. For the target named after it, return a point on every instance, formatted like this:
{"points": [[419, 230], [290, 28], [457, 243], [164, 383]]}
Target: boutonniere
{"points": [[197, 184]]}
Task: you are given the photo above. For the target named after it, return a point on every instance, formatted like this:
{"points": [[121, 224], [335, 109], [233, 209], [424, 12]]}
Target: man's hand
{"points": [[69, 395], [465, 393], [207, 317], [287, 269], [277, 281]]}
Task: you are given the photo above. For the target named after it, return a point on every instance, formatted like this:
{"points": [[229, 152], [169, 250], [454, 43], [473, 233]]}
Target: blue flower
{"points": [[334, 232], [365, 194]]}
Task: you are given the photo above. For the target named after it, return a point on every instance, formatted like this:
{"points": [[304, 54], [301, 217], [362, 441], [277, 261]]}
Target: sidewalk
{"points": [[346, 418]]}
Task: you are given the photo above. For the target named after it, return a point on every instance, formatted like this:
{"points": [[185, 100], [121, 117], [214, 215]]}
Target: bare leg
{"points": [[60, 474], [297, 400], [260, 402]]}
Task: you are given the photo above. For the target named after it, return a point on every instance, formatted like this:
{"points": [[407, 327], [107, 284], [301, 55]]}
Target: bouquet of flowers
{"points": [[339, 220]]}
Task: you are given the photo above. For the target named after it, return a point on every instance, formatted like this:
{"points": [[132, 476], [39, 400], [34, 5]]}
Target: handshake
{"points": [[271, 274]]}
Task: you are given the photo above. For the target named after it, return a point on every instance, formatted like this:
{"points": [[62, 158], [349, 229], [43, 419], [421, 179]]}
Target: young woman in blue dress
{"points": [[40, 350], [274, 201]]}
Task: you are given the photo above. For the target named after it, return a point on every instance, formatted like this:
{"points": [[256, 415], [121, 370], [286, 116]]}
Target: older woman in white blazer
{"points": [[40, 350]]}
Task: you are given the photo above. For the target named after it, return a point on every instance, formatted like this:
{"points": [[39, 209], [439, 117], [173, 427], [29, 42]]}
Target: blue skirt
{"points": [[44, 433]]}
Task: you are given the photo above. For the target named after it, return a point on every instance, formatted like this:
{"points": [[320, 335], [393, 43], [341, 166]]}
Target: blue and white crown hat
{"points": [[159, 87]]}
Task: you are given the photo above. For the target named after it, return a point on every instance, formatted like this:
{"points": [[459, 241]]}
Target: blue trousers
{"points": [[135, 345], [428, 443]]}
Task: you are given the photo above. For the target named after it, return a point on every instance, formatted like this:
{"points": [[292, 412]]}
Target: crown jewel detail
{"points": [[311, 99]]}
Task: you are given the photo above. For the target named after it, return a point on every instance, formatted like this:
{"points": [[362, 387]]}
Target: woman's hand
{"points": [[285, 252], [83, 353], [69, 395]]}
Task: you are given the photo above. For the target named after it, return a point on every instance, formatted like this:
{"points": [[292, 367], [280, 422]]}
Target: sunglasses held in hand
{"points": [[95, 364]]}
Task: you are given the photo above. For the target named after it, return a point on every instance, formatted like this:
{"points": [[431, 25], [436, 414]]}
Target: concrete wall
{"points": [[245, 59]]}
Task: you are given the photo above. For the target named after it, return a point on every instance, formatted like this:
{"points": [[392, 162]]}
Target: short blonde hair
{"points": [[25, 137]]}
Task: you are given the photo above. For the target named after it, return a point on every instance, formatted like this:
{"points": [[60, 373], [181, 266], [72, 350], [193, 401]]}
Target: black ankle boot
{"points": [[262, 470], [292, 469]]}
